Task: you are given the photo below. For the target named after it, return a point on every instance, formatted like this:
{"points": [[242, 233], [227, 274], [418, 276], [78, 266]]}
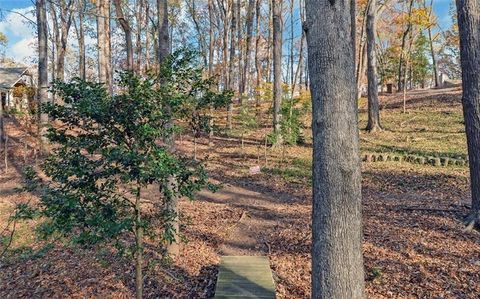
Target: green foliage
{"points": [[247, 120], [291, 122], [198, 95], [420, 64], [376, 273], [106, 150]]}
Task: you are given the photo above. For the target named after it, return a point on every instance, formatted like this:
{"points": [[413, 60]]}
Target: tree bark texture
{"points": [[337, 262], [277, 64], [104, 47], [373, 102], [468, 12], [127, 30], [42, 95]]}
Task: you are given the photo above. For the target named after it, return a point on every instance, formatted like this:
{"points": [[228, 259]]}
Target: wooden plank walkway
{"points": [[245, 277]]}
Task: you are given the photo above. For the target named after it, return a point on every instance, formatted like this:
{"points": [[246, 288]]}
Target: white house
{"points": [[12, 79]]}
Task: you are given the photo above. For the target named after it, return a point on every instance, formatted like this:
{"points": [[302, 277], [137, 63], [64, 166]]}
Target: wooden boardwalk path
{"points": [[245, 277]]}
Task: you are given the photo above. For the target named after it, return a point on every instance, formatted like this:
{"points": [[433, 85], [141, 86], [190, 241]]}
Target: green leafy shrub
{"points": [[106, 150]]}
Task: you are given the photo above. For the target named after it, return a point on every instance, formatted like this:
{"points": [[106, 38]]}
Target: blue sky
{"points": [[21, 34]]}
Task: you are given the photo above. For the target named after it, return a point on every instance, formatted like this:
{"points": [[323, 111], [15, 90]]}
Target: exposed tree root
{"points": [[472, 221]]}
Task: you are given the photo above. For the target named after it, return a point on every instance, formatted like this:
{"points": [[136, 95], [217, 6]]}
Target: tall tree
{"points": [[3, 45], [337, 262], [211, 53], [103, 43], [402, 68], [163, 37], [373, 104], [122, 20], [171, 206], [258, 35], [211, 37], [248, 47], [231, 62], [80, 33], [361, 51], [468, 12], [66, 17], [431, 19], [277, 64], [42, 96]]}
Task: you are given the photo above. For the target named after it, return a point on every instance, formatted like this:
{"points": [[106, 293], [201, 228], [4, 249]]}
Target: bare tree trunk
{"points": [[258, 67], [337, 262], [300, 64], [292, 46], [2, 126], [240, 50], [298, 72], [55, 37], [141, 21], [147, 37], [362, 53], [163, 37], [277, 66], [225, 61], [246, 66], [468, 12], [138, 248], [211, 52], [231, 65], [81, 39], [104, 47], [434, 58], [270, 41], [430, 39], [128, 32], [171, 205], [66, 15], [373, 104], [42, 96], [211, 38], [407, 66], [192, 9], [401, 69]]}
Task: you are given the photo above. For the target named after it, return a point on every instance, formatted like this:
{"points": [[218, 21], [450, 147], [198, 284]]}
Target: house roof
{"points": [[10, 75]]}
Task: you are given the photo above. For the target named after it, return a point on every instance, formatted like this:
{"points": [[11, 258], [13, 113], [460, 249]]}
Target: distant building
{"points": [[446, 82], [17, 88]]}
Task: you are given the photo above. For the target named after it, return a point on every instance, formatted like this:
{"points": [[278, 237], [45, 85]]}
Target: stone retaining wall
{"points": [[434, 161]]}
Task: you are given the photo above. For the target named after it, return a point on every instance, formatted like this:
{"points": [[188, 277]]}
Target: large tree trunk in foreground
{"points": [[277, 66], [469, 25], [337, 262], [373, 104], [42, 84]]}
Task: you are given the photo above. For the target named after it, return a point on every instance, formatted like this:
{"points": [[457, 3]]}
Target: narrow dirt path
{"points": [[249, 235]]}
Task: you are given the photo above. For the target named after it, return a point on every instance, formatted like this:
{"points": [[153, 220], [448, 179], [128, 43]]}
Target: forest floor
{"points": [[415, 245]]}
